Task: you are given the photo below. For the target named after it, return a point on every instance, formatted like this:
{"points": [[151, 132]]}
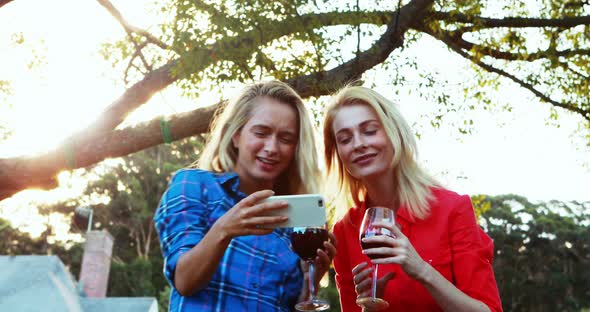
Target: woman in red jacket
{"points": [[439, 259]]}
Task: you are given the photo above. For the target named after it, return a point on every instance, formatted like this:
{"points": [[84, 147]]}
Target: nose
{"points": [[358, 142], [271, 145]]}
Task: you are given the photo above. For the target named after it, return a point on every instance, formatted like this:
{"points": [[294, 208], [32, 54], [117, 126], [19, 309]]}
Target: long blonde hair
{"points": [[220, 155], [413, 184]]}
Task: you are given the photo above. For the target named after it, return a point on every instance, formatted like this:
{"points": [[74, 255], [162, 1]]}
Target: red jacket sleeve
{"points": [[344, 271], [472, 252]]}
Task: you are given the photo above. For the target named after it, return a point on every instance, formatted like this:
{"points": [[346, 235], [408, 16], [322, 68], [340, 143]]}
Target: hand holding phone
{"points": [[303, 210]]}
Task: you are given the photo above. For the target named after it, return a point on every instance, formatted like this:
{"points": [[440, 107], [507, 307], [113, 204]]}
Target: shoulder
{"points": [[193, 183], [443, 196], [447, 200], [349, 222], [191, 175]]}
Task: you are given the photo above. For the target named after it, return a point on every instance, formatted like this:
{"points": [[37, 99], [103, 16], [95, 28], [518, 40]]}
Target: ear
{"points": [[235, 139]]}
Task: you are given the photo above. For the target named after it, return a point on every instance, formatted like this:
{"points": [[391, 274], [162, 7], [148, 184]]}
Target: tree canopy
{"points": [[539, 46]]}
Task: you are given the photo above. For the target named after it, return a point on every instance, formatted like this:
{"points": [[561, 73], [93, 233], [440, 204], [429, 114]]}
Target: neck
{"points": [[248, 185], [382, 191]]}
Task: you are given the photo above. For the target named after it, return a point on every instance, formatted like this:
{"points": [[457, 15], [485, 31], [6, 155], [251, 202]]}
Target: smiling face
{"points": [[266, 144], [363, 146]]}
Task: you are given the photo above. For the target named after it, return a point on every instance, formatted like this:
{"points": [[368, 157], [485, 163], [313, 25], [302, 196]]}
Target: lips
{"points": [[364, 158], [267, 164]]}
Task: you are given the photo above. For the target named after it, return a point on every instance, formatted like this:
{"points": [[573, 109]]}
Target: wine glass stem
{"points": [[311, 281], [374, 286]]}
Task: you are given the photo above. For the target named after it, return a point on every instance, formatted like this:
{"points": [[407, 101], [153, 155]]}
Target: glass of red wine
{"points": [[306, 241], [372, 216]]}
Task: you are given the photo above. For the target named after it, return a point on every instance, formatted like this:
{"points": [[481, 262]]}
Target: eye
{"points": [[371, 132], [343, 140], [287, 140]]}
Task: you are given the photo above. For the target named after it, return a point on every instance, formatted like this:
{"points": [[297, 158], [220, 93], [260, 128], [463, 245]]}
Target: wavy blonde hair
{"points": [[220, 155], [413, 184]]}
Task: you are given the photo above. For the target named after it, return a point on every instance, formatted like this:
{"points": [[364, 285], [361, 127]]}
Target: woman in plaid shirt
{"points": [[219, 256]]}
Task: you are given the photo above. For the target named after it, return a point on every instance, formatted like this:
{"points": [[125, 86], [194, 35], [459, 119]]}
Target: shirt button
{"points": [[254, 285]]}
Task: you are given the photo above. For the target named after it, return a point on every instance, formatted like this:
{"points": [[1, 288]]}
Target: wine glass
{"points": [[374, 215], [306, 241]]}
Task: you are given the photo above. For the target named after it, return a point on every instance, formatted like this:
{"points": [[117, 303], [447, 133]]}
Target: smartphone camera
{"points": [[320, 202]]}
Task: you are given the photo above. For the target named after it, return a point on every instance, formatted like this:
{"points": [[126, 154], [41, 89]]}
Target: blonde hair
{"points": [[220, 155], [413, 184]]}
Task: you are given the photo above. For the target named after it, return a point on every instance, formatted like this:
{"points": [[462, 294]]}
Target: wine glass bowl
{"points": [[306, 241], [372, 216]]}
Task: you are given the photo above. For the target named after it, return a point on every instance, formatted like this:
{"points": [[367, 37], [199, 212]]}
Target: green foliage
{"points": [[330, 293], [134, 188], [15, 242], [133, 279], [542, 261]]}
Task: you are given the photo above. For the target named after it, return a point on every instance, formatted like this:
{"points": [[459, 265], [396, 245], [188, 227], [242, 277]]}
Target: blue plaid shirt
{"points": [[256, 273]]}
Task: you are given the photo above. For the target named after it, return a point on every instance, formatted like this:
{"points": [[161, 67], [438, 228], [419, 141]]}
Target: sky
{"points": [[517, 152]]}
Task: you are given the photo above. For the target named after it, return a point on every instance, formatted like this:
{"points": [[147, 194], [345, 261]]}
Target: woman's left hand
{"points": [[398, 250]]}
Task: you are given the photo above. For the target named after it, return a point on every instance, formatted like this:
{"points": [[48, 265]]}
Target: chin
{"points": [[266, 176], [369, 174]]}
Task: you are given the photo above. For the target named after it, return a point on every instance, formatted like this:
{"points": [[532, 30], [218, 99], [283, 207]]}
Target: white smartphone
{"points": [[303, 210]]}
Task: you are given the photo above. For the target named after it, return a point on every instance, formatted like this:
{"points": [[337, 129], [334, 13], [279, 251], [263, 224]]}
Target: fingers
{"points": [[382, 282], [390, 260], [362, 278], [386, 278], [323, 259], [255, 197], [361, 275], [381, 251], [332, 239], [384, 240], [359, 268], [265, 208], [364, 286], [330, 249], [390, 226], [264, 222]]}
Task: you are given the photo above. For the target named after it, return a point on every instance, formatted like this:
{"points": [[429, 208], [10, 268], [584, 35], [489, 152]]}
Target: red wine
{"points": [[373, 245], [307, 241]]}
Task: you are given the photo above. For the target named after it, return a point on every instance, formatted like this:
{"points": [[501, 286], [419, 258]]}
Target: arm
{"points": [[196, 267], [447, 295], [192, 252], [401, 251], [344, 281]]}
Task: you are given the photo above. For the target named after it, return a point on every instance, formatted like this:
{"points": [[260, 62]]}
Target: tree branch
{"points": [[476, 60], [249, 42], [130, 28], [514, 22], [457, 39], [84, 150], [4, 2]]}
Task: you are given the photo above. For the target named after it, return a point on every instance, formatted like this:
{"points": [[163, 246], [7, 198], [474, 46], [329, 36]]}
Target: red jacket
{"points": [[449, 239]]}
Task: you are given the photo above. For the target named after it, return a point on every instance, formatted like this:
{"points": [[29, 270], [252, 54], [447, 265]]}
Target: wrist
{"points": [[425, 275], [218, 231]]}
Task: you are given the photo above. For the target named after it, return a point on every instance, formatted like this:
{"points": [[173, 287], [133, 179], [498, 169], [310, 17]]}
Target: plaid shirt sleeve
{"points": [[181, 219]]}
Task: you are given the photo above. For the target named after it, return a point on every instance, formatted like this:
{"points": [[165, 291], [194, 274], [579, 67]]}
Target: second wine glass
{"points": [[306, 241], [372, 216]]}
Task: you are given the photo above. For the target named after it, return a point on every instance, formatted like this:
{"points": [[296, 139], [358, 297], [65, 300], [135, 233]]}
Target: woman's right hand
{"points": [[250, 217], [362, 277]]}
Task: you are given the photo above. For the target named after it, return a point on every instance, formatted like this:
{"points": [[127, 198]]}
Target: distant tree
{"points": [[542, 260], [14, 243], [133, 188], [539, 46]]}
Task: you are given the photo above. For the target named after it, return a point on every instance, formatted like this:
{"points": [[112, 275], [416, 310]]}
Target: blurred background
{"points": [[101, 101]]}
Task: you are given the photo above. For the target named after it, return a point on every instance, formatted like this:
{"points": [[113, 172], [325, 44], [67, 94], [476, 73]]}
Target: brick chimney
{"points": [[96, 263]]}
